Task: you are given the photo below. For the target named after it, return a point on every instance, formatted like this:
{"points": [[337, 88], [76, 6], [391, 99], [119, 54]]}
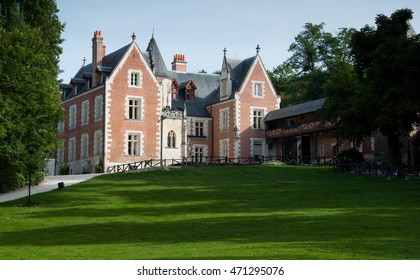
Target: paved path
{"points": [[50, 183]]}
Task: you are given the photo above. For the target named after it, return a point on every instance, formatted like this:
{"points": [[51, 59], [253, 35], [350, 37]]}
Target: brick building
{"points": [[127, 106], [296, 134]]}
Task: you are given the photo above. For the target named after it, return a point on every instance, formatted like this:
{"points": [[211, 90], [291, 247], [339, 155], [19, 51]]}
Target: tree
{"points": [[387, 63], [30, 34], [316, 54]]}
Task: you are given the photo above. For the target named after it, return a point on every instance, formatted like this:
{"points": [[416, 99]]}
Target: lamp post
{"points": [[31, 152], [236, 137]]}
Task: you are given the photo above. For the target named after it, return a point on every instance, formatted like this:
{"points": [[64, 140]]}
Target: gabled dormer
{"points": [[174, 89], [225, 82], [188, 88]]}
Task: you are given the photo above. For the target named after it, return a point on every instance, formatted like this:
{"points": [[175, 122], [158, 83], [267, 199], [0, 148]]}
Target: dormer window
{"points": [[189, 88], [190, 94], [174, 90]]}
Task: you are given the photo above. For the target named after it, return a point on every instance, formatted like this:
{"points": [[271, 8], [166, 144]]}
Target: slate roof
{"points": [[208, 85], [296, 110]]}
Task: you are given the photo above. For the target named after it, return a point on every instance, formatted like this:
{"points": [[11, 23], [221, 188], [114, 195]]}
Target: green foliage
{"points": [[220, 212], [38, 177], [64, 169], [316, 54], [29, 95], [352, 155], [10, 180]]}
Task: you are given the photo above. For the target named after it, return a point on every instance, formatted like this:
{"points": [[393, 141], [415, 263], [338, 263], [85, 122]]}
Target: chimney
{"points": [[179, 64], [98, 53]]}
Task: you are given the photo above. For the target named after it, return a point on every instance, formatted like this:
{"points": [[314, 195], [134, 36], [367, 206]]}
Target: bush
{"points": [[351, 155], [10, 181], [64, 169], [38, 177]]}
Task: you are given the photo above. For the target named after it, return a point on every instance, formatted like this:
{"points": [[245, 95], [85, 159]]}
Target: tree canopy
{"points": [[315, 55], [30, 37]]}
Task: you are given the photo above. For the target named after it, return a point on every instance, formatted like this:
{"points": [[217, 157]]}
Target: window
{"points": [[72, 149], [72, 116], [84, 146], [257, 148], [224, 148], [224, 120], [98, 107], [134, 109], [190, 93], [60, 126], [174, 90], [321, 150], [171, 139], [258, 89], [85, 112], [97, 143], [134, 78], [133, 144], [199, 128], [198, 154], [257, 119]]}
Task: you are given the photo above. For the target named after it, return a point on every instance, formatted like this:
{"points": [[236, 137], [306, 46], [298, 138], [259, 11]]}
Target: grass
{"points": [[246, 212]]}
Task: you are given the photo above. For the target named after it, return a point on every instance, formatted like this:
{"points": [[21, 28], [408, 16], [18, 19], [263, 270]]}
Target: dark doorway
{"points": [[289, 150], [306, 149]]}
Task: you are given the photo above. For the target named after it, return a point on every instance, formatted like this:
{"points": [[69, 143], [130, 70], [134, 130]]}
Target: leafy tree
{"points": [[30, 34], [387, 62], [316, 54]]}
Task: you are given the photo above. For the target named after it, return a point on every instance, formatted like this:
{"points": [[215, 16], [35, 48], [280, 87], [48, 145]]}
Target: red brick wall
{"points": [[80, 129], [247, 100], [118, 124]]}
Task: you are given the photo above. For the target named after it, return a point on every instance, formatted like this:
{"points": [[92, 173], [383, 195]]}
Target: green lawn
{"points": [[225, 212]]}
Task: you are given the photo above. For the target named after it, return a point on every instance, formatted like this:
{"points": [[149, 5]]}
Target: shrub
{"points": [[38, 177], [10, 181], [64, 169], [351, 154]]}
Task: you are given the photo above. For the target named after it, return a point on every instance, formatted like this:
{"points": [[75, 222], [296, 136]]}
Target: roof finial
{"points": [[153, 31], [258, 49], [84, 61], [133, 36], [224, 52]]}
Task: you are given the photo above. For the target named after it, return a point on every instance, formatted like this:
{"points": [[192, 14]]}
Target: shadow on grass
{"points": [[265, 206]]}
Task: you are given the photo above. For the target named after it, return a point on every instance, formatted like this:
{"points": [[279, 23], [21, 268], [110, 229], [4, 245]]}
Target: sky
{"points": [[201, 29]]}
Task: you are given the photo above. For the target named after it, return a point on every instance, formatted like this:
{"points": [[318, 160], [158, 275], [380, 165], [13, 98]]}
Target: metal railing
{"points": [[212, 160]]}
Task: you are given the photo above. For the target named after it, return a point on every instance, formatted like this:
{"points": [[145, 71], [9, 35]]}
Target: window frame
{"points": [[171, 140], [224, 119], [138, 109], [73, 116], [85, 112], [136, 142], [137, 82], [258, 89], [98, 107], [84, 146]]}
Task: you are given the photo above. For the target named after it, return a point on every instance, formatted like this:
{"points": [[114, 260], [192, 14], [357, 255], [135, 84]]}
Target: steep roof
{"points": [[296, 110], [206, 85], [154, 58]]}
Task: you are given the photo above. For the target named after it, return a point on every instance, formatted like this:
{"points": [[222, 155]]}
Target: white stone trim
{"points": [[140, 78], [221, 111], [263, 145], [221, 152], [252, 109], [85, 113], [140, 133], [262, 83], [126, 111]]}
